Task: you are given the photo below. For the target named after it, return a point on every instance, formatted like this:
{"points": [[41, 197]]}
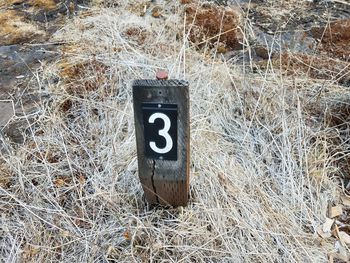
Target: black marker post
{"points": [[161, 110]]}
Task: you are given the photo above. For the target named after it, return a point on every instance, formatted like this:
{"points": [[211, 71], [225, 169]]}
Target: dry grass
{"points": [[6, 3], [213, 24], [335, 38], [313, 66], [260, 165]]}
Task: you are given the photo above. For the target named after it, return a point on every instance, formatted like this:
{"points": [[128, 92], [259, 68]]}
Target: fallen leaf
{"points": [[156, 12], [331, 258], [59, 182], [322, 234], [221, 49], [327, 226], [81, 179], [126, 235], [344, 237], [335, 211], [345, 200]]}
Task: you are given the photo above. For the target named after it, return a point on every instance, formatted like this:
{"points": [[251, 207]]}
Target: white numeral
{"points": [[163, 132]]}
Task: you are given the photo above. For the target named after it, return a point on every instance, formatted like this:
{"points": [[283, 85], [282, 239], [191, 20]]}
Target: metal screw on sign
{"points": [[161, 112]]}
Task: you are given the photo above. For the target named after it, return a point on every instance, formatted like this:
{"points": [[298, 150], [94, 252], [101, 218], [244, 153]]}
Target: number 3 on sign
{"points": [[163, 132], [160, 130]]}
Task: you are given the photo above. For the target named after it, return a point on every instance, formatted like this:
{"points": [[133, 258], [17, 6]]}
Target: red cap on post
{"points": [[162, 75]]}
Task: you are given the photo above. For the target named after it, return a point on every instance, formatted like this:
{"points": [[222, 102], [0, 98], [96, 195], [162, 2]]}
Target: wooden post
{"points": [[161, 110]]}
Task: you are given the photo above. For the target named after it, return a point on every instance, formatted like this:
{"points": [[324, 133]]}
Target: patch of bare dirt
{"points": [[334, 38], [209, 24]]}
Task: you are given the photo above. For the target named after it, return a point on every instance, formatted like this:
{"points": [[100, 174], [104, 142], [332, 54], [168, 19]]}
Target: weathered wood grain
{"points": [[164, 181]]}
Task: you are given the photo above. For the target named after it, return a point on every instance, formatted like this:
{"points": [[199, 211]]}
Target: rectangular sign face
{"points": [[160, 130]]}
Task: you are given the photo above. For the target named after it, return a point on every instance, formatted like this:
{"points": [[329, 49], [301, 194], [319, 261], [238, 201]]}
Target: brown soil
{"points": [[211, 24], [335, 38]]}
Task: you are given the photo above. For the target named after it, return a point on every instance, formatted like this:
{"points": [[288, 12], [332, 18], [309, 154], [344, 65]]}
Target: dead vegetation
{"points": [[209, 24], [6, 3], [267, 150], [82, 78], [35, 5], [136, 34], [44, 4], [313, 66]]}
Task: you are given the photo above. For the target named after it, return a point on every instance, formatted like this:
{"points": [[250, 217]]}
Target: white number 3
{"points": [[163, 132]]}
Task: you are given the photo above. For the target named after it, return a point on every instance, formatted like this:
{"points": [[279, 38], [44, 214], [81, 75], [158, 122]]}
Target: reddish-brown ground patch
{"points": [[335, 38], [83, 77], [211, 24], [136, 34]]}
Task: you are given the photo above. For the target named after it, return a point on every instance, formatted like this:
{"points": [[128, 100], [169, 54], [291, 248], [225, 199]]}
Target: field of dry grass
{"points": [[267, 149]]}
